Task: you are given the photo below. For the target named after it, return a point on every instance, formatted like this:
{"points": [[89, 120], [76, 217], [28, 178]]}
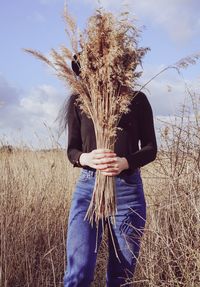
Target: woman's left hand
{"points": [[117, 167]]}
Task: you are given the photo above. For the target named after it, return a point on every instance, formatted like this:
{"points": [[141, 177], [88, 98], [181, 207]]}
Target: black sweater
{"points": [[137, 126]]}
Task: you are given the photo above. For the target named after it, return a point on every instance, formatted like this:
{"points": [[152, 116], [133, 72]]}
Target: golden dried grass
{"points": [[35, 196]]}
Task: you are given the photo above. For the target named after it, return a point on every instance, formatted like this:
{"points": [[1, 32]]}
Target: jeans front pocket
{"points": [[85, 175], [133, 179]]}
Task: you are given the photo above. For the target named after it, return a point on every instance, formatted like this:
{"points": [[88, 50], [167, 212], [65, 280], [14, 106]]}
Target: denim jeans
{"points": [[127, 232]]}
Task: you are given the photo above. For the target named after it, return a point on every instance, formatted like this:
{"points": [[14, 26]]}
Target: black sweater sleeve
{"points": [[74, 149], [148, 144]]}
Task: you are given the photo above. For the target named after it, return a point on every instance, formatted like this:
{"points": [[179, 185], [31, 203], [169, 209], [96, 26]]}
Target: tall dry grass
{"points": [[35, 194], [170, 254]]}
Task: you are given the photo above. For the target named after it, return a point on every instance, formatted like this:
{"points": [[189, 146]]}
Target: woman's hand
{"points": [[116, 168], [104, 160], [99, 159]]}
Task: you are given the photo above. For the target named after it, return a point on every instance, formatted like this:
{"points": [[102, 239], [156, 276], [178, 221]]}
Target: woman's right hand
{"points": [[98, 158]]}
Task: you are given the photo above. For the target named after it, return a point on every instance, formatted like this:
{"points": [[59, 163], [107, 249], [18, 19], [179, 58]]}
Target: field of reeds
{"points": [[35, 194]]}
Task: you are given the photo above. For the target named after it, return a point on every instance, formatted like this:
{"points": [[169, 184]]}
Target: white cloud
{"points": [[41, 101], [179, 18], [25, 114], [168, 91]]}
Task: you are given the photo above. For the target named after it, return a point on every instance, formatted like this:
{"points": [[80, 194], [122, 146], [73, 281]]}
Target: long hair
{"points": [[63, 114]]}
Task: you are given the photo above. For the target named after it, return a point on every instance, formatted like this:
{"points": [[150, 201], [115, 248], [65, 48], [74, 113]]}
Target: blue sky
{"points": [[30, 95]]}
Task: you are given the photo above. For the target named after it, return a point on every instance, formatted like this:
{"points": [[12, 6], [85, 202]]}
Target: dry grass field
{"points": [[35, 194]]}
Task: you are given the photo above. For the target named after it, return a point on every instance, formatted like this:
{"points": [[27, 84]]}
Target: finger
{"points": [[109, 173], [105, 150], [106, 167], [104, 155], [112, 167], [100, 166], [110, 170], [107, 161]]}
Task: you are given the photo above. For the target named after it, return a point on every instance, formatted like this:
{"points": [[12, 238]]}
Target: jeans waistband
{"points": [[91, 173]]}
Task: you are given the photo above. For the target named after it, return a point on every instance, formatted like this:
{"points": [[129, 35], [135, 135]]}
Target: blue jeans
{"points": [[127, 233]]}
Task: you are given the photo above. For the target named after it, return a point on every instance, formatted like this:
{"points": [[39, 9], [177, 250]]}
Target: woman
{"points": [[124, 164]]}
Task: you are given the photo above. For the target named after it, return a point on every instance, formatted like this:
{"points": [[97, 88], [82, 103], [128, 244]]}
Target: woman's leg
{"points": [[127, 233], [81, 237]]}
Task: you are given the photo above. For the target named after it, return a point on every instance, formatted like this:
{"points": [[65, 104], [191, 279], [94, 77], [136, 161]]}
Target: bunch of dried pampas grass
{"points": [[108, 54]]}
